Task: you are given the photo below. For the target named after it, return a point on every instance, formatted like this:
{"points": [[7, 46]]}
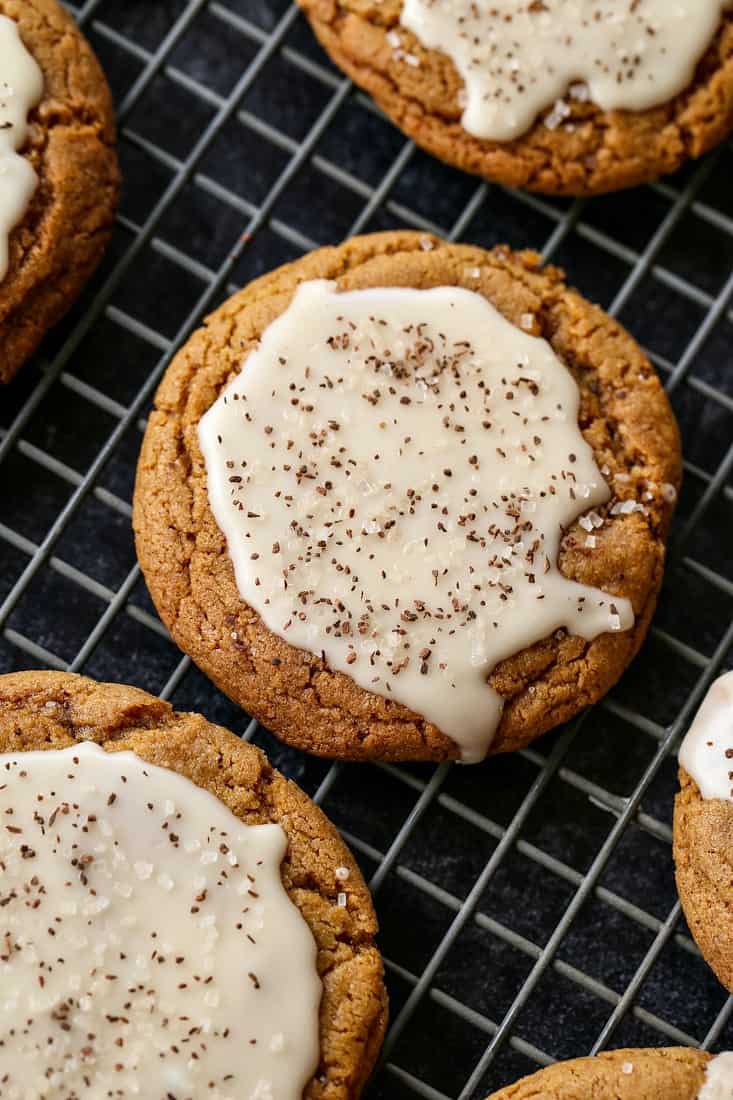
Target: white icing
{"points": [[707, 750], [393, 470], [519, 58], [718, 1084], [21, 87], [147, 945]]}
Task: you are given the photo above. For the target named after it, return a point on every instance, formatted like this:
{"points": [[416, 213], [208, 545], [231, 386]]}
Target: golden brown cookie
{"points": [[71, 146], [703, 855], [624, 416], [672, 1073], [54, 710], [592, 152]]}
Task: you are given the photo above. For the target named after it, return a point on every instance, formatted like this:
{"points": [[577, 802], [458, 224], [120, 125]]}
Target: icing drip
{"points": [[706, 753], [718, 1083]]}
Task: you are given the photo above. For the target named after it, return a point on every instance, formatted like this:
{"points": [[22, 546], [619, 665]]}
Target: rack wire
{"points": [[527, 905]]}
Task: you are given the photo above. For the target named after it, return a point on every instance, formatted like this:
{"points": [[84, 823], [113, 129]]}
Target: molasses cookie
{"points": [[178, 918], [404, 499], [536, 96], [59, 171], [703, 829], [671, 1073]]}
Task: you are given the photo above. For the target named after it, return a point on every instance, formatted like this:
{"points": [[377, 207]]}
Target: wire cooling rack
{"points": [[528, 907]]}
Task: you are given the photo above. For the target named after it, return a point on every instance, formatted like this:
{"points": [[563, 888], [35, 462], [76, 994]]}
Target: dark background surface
{"points": [[233, 122]]}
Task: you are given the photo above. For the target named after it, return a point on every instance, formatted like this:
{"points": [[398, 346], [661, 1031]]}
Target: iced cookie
{"points": [[671, 1073], [703, 828], [557, 96], [58, 167], [405, 499], [178, 919]]}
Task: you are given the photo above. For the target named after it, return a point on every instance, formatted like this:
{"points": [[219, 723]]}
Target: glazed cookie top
{"points": [[673, 1073], [517, 58], [616, 547], [149, 943], [177, 910], [573, 94], [393, 470], [706, 753], [21, 87]]}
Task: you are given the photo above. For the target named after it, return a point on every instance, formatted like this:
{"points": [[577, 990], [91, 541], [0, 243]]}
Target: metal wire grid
{"points": [[466, 865]]}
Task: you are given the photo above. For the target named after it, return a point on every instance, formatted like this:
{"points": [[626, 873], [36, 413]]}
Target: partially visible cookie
{"points": [[703, 829], [573, 147], [673, 1073], [62, 234], [48, 710], [624, 417]]}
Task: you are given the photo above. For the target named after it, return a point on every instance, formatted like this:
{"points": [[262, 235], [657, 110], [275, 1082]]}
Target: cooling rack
{"points": [[527, 906]]}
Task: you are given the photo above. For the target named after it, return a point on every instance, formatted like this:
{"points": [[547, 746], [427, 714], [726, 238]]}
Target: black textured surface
{"points": [[675, 243]]}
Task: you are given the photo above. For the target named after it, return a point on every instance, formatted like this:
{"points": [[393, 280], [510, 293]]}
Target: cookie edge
{"points": [[25, 322], [709, 918], [548, 1082]]}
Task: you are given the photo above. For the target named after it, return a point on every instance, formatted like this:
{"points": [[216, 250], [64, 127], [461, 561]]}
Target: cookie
{"points": [[672, 1073], [506, 91], [615, 552], [266, 951], [703, 829], [57, 211]]}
